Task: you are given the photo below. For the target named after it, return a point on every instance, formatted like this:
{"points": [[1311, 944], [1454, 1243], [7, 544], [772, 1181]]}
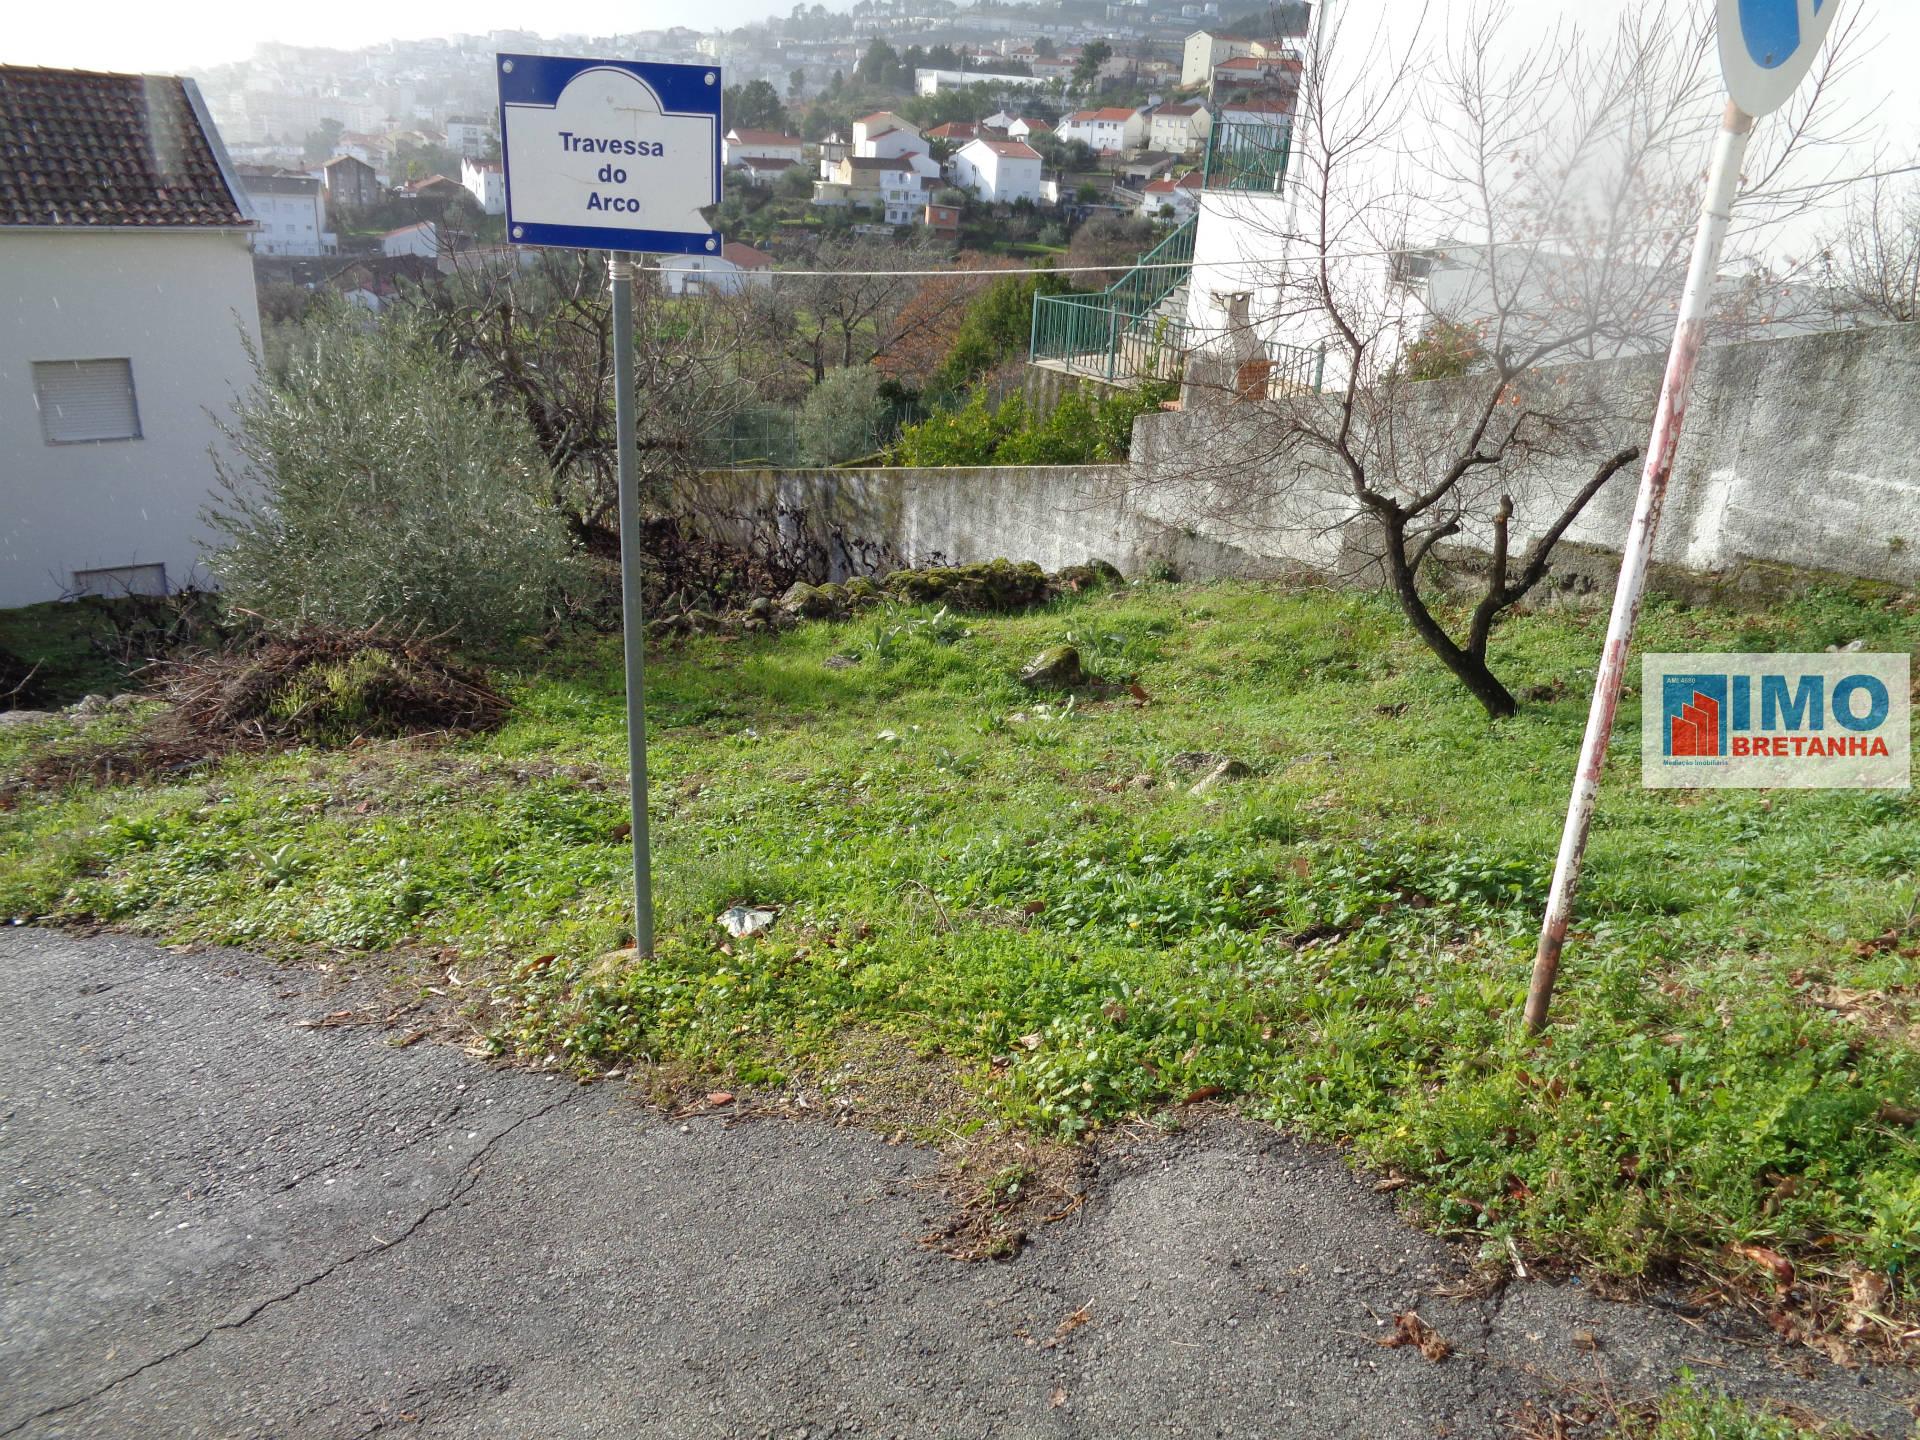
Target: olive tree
{"points": [[376, 482]]}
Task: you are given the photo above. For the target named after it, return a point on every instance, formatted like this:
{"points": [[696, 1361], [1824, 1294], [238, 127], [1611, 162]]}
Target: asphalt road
{"points": [[220, 1222]]}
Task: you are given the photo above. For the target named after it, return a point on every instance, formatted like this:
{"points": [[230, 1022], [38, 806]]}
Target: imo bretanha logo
{"points": [[1826, 721]]}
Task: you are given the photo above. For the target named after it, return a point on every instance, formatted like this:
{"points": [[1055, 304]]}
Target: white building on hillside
{"points": [[1206, 50], [470, 138], [998, 171], [422, 238], [868, 127], [932, 82], [1168, 198], [291, 212], [1108, 131], [1178, 129], [487, 183], [740, 146], [734, 269], [130, 300]]}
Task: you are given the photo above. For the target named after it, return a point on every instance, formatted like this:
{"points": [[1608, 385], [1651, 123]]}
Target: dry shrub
{"points": [[313, 687]]}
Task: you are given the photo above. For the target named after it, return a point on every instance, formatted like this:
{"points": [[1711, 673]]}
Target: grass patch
{"points": [[1687, 1410], [1339, 942]]}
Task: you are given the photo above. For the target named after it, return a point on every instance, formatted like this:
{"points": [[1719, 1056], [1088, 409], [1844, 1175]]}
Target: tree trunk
{"points": [[1470, 669]]}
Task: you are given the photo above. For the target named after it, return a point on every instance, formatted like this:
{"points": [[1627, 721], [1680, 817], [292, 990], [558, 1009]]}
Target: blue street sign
{"points": [[610, 154], [1767, 47]]}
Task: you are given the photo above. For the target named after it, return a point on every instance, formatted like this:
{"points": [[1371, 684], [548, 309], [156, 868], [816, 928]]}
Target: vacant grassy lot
{"points": [[1339, 942]]}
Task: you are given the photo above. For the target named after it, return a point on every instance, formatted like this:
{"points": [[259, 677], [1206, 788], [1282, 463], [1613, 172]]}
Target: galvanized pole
{"points": [[620, 272], [1723, 180]]}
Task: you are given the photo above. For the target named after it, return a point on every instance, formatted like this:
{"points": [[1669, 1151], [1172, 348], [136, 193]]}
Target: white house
{"points": [[487, 183], [290, 211], [1181, 197], [765, 172], [734, 269], [1178, 129], [421, 238], [890, 144], [868, 127], [1025, 129], [128, 301], [999, 171], [904, 192], [1108, 131], [740, 146]]}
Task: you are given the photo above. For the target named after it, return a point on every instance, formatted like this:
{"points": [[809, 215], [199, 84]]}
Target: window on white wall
{"points": [[85, 401]]}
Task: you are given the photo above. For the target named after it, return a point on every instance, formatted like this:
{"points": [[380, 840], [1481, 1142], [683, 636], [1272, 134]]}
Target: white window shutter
{"points": [[85, 400]]}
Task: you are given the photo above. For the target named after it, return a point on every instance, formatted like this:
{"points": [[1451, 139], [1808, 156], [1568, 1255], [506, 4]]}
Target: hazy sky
{"points": [[119, 35]]}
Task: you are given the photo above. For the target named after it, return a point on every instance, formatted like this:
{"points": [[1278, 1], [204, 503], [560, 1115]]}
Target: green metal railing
{"points": [[1246, 157], [1116, 333], [1295, 369]]}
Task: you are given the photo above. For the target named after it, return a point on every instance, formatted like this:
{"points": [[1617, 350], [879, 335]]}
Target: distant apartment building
{"points": [[124, 239], [1206, 50], [487, 183], [290, 210], [998, 171], [350, 183], [470, 139]]}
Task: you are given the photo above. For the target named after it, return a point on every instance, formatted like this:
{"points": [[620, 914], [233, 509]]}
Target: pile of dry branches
{"points": [[313, 687]]}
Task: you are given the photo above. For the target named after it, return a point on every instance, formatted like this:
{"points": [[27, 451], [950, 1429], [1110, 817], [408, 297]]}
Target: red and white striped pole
{"points": [[1723, 181]]}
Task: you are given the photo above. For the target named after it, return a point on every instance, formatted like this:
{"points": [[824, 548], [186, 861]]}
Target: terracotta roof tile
{"points": [[81, 148]]}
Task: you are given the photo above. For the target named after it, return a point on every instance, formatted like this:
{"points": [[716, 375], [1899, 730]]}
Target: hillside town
{"points": [[394, 154]]}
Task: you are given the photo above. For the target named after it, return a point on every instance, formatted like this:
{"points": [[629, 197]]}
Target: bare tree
{"points": [[543, 337], [1553, 190], [842, 306], [1871, 264]]}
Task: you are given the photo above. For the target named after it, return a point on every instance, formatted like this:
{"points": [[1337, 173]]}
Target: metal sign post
{"points": [[632, 621], [1766, 49], [619, 156]]}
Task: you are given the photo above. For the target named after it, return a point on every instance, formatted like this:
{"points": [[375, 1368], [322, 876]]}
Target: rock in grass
{"points": [[810, 602], [1055, 668], [1199, 761], [1220, 774]]}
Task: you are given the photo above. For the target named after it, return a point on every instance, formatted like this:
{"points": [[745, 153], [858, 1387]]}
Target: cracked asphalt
{"points": [[220, 1222]]}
